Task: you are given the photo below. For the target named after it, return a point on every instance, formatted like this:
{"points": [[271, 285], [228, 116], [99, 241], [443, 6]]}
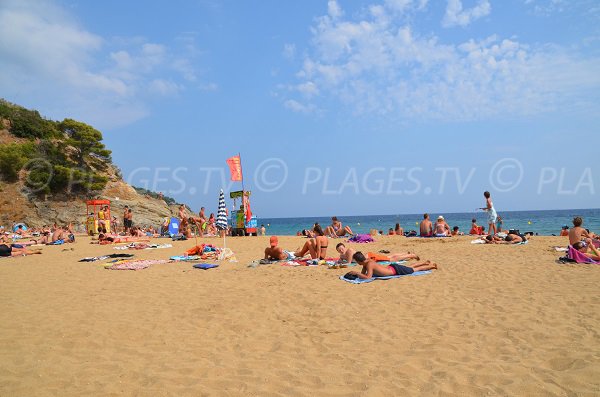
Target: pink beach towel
{"points": [[578, 257]]}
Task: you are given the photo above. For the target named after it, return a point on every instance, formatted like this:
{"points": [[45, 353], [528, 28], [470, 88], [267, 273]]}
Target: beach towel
{"points": [[178, 258], [205, 266], [361, 238], [101, 258], [135, 265], [478, 241], [578, 257], [368, 280], [57, 242]]}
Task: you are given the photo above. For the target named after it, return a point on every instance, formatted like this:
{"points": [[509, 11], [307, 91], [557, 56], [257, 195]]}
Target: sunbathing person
{"points": [[398, 230], [588, 249], [345, 253], [475, 228], [316, 247], [578, 233], [336, 229], [441, 228], [509, 239], [564, 232], [275, 253], [426, 227], [104, 239], [370, 268], [9, 250], [456, 232]]}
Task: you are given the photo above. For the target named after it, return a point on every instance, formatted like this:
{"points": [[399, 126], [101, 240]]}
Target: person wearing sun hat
{"points": [[275, 253], [441, 228]]}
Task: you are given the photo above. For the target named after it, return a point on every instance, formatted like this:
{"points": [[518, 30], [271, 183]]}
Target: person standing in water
{"points": [[491, 213]]}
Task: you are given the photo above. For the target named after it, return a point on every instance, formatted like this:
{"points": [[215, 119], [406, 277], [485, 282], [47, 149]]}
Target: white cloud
{"points": [[456, 16], [383, 66], [289, 51], [297, 106], [50, 62]]}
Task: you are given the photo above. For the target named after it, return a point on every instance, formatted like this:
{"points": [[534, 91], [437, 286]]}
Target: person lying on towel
{"points": [[370, 268], [588, 249], [346, 254], [509, 239], [275, 253]]}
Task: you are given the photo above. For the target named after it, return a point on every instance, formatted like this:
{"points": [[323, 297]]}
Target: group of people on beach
{"points": [[19, 240]]}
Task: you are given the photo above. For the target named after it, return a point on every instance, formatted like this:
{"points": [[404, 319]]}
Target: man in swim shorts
{"points": [[275, 253], [426, 227], [371, 269]]}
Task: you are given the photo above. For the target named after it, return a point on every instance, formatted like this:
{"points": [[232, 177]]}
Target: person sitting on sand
{"points": [[578, 233], [182, 216], [398, 230], [475, 228], [370, 268], [275, 253], [9, 250], [588, 249], [456, 232], [391, 232], [564, 232], [316, 247], [426, 227], [441, 228], [336, 229]]}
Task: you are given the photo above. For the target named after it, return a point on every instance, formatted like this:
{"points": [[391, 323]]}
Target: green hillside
{"points": [[58, 157]]}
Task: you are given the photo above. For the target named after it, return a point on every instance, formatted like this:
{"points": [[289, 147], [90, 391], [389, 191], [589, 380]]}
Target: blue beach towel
{"points": [[57, 242], [205, 266], [368, 280]]}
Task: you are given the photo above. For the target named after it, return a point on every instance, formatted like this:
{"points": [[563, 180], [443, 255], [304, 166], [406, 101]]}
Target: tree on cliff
{"points": [[86, 140]]}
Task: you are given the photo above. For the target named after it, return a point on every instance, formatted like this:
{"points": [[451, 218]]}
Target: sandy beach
{"points": [[492, 320]]}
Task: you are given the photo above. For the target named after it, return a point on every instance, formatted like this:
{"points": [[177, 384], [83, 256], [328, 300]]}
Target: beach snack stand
{"points": [[242, 221], [95, 212]]}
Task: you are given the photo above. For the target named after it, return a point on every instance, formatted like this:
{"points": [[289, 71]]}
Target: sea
{"points": [[544, 223]]}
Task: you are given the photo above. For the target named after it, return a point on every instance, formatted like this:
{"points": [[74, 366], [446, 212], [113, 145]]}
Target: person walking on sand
{"points": [[491, 213]]}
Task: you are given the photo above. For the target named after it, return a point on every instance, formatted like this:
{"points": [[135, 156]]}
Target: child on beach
{"points": [[491, 213], [370, 268]]}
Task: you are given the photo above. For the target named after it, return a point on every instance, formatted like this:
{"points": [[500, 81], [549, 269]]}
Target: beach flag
{"points": [[235, 168], [221, 222], [247, 209]]}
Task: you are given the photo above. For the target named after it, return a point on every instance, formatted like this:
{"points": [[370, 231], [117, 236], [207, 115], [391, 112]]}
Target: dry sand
{"points": [[493, 320]]}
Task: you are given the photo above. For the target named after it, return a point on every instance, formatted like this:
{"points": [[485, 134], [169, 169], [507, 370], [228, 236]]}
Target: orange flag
{"points": [[235, 168]]}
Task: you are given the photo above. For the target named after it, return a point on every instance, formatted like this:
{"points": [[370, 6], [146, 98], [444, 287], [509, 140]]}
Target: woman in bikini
{"points": [[336, 229], [316, 247]]}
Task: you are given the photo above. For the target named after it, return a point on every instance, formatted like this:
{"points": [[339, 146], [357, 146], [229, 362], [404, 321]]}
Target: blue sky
{"points": [[337, 107]]}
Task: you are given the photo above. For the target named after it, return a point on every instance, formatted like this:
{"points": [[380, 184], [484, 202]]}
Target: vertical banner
{"points": [[235, 168], [247, 209]]}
